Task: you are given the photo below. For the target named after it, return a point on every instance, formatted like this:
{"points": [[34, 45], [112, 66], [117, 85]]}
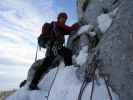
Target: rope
{"points": [[92, 89], [107, 86], [89, 77], [52, 83], [84, 84], [109, 93], [57, 70]]}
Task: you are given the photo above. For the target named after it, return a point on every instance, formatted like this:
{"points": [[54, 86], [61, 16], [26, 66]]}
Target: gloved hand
{"points": [[76, 25]]}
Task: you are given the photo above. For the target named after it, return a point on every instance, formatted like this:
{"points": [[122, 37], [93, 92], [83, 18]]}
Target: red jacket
{"points": [[63, 29]]}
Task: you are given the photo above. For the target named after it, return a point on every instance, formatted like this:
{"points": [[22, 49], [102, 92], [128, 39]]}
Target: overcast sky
{"points": [[20, 25]]}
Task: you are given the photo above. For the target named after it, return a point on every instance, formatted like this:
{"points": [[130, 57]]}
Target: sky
{"points": [[20, 25]]}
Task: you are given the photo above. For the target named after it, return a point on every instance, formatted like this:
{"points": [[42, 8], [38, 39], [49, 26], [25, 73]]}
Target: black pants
{"points": [[64, 52]]}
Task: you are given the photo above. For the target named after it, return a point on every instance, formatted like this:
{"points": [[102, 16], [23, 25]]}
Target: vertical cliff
{"points": [[112, 19]]}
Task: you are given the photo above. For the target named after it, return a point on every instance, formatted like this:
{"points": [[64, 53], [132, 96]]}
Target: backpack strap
{"points": [[54, 27]]}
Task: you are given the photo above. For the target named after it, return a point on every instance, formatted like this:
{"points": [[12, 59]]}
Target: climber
{"points": [[55, 48]]}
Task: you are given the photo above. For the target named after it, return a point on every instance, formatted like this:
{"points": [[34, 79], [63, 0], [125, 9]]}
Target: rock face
{"points": [[116, 44]]}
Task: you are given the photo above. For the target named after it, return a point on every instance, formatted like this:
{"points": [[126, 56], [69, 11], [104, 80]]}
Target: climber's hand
{"points": [[76, 25]]}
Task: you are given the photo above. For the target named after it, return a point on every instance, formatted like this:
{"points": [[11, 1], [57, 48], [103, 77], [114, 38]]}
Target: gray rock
{"points": [[116, 49], [92, 11], [116, 46]]}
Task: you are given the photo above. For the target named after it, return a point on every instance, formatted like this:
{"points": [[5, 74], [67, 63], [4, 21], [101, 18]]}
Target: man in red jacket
{"points": [[60, 29]]}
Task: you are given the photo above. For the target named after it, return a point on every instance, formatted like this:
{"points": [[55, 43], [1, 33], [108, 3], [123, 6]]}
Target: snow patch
{"points": [[92, 34], [100, 92], [85, 28], [66, 87], [104, 22], [82, 57]]}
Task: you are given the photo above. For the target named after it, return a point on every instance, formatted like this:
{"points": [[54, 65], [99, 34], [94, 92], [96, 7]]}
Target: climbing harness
{"points": [[56, 46]]}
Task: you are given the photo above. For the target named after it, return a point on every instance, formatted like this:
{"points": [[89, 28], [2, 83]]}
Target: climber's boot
{"points": [[22, 84], [33, 87]]}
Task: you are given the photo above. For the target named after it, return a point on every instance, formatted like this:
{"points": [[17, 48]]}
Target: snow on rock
{"points": [[92, 34], [82, 56], [85, 28], [104, 22], [66, 87]]}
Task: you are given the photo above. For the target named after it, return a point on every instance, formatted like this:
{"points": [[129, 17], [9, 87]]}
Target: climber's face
{"points": [[62, 19]]}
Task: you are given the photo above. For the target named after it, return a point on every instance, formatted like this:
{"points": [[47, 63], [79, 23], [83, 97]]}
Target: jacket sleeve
{"points": [[67, 28]]}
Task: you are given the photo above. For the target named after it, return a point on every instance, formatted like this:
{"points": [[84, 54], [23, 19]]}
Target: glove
{"points": [[76, 25]]}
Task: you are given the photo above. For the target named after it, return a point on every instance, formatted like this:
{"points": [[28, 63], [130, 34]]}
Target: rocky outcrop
{"points": [[116, 44], [4, 94]]}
